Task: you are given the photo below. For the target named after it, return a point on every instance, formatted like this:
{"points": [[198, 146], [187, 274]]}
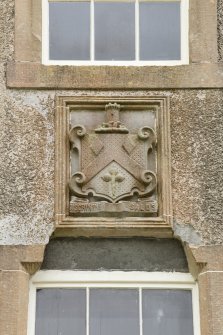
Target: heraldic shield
{"points": [[114, 173]]}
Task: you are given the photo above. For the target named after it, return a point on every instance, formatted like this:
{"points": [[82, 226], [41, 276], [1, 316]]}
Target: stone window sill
{"points": [[36, 75]]}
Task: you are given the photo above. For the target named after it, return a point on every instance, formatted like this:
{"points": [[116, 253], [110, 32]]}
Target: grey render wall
{"points": [[27, 167], [129, 254], [27, 155]]}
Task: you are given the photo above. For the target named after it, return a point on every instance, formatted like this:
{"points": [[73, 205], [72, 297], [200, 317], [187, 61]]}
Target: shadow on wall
{"points": [[141, 254]]}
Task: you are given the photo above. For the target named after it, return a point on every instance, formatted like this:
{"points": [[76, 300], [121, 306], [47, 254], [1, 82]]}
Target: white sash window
{"points": [[118, 32], [107, 303]]}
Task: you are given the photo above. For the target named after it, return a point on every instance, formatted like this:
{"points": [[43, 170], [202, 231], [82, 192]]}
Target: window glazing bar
{"points": [[68, 0], [140, 312], [45, 32], [184, 26], [92, 42], [115, 0], [137, 30], [160, 0], [87, 311]]}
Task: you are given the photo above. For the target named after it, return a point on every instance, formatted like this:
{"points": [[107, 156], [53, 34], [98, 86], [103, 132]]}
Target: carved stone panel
{"points": [[111, 163]]}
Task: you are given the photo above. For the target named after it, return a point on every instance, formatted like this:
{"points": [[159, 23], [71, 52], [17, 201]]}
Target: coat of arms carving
{"points": [[114, 173]]}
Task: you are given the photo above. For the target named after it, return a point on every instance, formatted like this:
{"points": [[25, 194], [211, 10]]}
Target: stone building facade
{"points": [[31, 237]]}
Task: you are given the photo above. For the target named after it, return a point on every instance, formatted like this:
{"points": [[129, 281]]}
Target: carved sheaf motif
{"points": [[113, 162]]}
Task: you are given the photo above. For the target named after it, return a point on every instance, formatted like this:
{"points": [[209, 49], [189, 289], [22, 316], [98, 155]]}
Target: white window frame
{"points": [[112, 279], [137, 62]]}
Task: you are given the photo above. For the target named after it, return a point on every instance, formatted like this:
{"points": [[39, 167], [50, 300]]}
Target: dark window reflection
{"points": [[69, 35], [114, 31], [167, 312], [159, 30], [61, 311]]}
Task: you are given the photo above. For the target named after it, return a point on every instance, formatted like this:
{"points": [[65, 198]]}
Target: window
{"points": [[119, 32], [106, 303]]}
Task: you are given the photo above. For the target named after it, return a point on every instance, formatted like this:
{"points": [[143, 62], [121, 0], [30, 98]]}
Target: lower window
{"points": [[107, 303]]}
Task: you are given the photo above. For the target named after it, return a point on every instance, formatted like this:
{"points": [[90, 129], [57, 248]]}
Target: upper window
{"points": [[127, 32]]}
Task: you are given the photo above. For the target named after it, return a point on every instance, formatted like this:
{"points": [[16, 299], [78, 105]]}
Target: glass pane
{"points": [[159, 30], [60, 311], [69, 30], [167, 312], [114, 31], [114, 311]]}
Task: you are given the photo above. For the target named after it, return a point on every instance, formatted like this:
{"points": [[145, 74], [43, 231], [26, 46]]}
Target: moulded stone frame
{"points": [[159, 226], [202, 30]]}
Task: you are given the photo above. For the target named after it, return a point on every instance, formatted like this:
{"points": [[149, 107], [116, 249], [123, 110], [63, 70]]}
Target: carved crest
{"points": [[113, 161]]}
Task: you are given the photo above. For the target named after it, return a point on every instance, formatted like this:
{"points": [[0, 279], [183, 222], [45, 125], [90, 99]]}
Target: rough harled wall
{"points": [[27, 157]]}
